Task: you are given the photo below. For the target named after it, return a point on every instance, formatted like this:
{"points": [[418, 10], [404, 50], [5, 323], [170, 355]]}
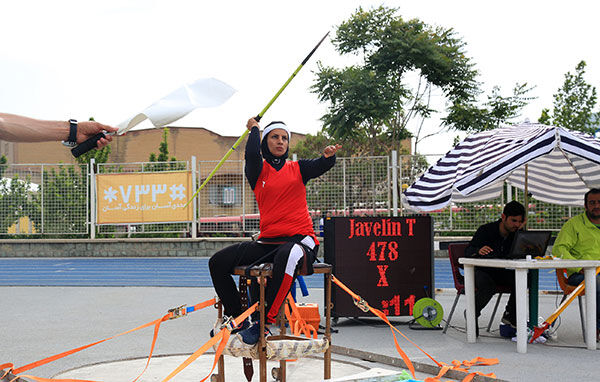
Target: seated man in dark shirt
{"points": [[493, 241]]}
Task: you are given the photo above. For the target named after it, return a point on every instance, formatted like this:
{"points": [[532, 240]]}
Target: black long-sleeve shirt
{"points": [[489, 234], [309, 168]]}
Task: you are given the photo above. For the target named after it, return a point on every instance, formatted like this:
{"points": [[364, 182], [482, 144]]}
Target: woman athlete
{"points": [[287, 238]]}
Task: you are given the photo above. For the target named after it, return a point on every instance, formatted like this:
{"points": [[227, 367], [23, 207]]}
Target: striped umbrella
{"points": [[553, 164]]}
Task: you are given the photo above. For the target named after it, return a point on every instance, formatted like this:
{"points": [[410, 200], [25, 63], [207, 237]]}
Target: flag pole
{"points": [[258, 118]]}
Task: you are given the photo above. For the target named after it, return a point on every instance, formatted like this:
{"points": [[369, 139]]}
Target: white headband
{"points": [[276, 125]]}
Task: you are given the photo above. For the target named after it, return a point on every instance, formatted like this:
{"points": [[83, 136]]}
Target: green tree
{"points": [[313, 145], [17, 199], [65, 190], [65, 197], [494, 112], [373, 99], [163, 156], [574, 103], [3, 161]]}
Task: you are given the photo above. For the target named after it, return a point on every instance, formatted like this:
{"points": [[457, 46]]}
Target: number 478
{"points": [[377, 251]]}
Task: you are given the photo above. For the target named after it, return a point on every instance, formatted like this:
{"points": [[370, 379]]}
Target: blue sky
{"points": [[75, 59]]}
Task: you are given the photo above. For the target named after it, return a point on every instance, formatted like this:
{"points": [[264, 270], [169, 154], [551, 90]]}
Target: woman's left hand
{"points": [[331, 150]]}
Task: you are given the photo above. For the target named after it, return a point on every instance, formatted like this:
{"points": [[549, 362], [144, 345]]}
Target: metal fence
{"points": [[355, 186], [44, 199], [54, 200]]}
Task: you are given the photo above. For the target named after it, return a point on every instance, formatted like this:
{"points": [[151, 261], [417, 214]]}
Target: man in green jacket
{"points": [[579, 238]]}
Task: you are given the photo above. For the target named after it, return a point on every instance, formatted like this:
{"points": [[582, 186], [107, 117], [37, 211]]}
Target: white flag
{"points": [[204, 92]]}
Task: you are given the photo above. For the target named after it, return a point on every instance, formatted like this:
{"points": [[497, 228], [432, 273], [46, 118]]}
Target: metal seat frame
{"points": [[266, 270]]}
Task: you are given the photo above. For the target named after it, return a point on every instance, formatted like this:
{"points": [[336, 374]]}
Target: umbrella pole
{"points": [[533, 273], [526, 197]]}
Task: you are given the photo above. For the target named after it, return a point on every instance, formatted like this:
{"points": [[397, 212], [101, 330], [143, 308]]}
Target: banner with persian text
{"points": [[143, 197]]}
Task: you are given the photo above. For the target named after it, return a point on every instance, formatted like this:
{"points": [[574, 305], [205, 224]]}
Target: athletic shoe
{"points": [[244, 325], [251, 335]]}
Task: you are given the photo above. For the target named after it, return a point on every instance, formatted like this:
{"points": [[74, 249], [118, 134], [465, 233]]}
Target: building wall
{"points": [[137, 145]]}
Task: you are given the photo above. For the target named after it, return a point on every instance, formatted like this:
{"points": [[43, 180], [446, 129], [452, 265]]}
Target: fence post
{"points": [[243, 164], [374, 188], [92, 205], [401, 182], [394, 183], [195, 201], [42, 200], [451, 216], [344, 183]]}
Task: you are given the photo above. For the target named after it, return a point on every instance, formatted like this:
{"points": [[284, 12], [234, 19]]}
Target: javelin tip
{"points": [[314, 49]]}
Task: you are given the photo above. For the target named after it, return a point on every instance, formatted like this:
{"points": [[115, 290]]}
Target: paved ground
{"points": [[42, 321]]}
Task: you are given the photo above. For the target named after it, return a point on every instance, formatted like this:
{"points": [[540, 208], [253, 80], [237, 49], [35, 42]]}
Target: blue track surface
{"points": [[163, 272]]}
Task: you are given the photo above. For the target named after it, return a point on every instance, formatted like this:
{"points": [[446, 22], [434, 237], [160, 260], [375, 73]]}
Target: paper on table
{"points": [[204, 92]]}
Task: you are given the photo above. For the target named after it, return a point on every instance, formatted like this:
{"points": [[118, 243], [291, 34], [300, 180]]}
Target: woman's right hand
{"points": [[251, 123]]}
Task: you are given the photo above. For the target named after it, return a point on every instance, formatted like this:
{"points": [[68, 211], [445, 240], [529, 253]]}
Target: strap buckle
{"points": [[177, 312], [229, 323], [362, 305]]}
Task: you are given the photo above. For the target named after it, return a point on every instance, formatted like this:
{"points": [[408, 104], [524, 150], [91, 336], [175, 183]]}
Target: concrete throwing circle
{"points": [[301, 370]]}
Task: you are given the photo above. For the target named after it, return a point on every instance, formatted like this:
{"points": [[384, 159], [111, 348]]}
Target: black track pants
{"points": [[285, 261]]}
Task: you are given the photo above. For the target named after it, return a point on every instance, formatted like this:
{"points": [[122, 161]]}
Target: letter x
{"points": [[382, 279]]}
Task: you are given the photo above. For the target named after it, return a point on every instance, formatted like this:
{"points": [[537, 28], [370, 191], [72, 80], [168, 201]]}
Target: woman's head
{"points": [[276, 139]]}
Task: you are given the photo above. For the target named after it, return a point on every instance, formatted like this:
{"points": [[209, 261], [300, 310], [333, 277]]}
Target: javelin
{"points": [[257, 118], [538, 330]]}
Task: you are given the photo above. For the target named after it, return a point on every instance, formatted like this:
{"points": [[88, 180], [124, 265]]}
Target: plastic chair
{"points": [[455, 252], [561, 276]]}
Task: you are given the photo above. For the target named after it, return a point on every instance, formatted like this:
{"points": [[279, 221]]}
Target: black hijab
{"points": [[275, 162]]}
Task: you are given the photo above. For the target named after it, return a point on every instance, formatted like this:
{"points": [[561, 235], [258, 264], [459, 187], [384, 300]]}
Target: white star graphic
{"points": [[110, 194]]}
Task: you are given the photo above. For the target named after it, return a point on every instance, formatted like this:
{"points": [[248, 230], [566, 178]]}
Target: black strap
{"points": [[259, 261]]}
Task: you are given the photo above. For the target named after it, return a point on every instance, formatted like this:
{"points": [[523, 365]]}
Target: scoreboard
{"points": [[388, 261]]}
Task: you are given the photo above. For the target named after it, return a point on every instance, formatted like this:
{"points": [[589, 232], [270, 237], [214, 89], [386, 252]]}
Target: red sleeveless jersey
{"points": [[281, 198]]}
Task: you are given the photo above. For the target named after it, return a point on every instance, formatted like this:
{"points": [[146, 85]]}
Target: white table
{"points": [[521, 267]]}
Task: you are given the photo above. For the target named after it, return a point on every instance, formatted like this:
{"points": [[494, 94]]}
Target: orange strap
{"points": [[222, 335], [8, 366], [479, 361], [300, 324], [156, 327], [442, 372], [69, 352], [199, 306], [538, 330], [226, 333], [382, 316], [156, 323], [38, 379], [456, 365]]}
